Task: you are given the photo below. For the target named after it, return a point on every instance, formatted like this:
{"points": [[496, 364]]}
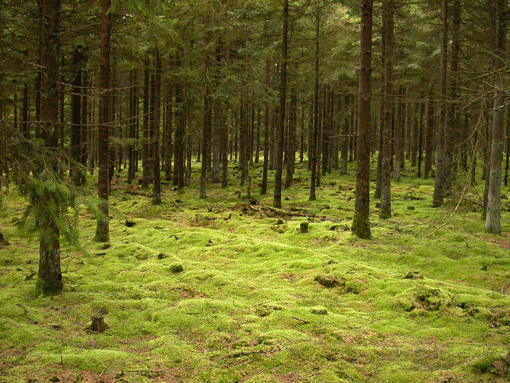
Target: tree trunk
{"points": [[267, 125], [443, 160], [291, 138], [493, 215], [361, 220], [146, 148], [429, 135], [387, 121], [313, 145], [103, 186], [76, 109], [180, 135], [156, 131], [168, 132], [277, 200], [49, 279]]}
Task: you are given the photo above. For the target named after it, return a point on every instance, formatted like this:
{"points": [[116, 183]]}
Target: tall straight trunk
{"points": [[326, 132], [105, 120], [420, 139], [180, 135], [84, 149], [146, 174], [206, 131], [443, 175], [224, 147], [387, 120], [399, 136], [267, 128], [257, 137], [25, 130], [429, 135], [156, 129], [361, 220], [49, 279], [277, 198], [493, 214], [132, 124], [453, 132], [313, 144], [344, 143], [291, 138], [244, 137], [167, 140], [76, 109]]}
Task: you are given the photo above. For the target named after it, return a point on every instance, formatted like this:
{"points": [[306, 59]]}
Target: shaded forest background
{"points": [[140, 90]]}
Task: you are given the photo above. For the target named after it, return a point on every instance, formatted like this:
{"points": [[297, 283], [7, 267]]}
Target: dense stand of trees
{"points": [[142, 92]]}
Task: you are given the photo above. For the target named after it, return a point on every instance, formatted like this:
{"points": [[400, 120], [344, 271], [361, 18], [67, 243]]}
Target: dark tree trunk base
{"points": [[98, 325]]}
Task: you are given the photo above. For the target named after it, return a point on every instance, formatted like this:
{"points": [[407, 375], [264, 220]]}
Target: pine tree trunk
{"points": [[156, 129], [49, 280], [361, 220], [291, 140], [387, 121], [180, 133], [443, 175], [103, 225], [277, 198], [313, 144], [267, 126], [76, 109], [493, 214], [429, 135]]}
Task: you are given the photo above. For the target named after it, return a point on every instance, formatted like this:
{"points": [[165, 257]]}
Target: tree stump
{"points": [[303, 227], [98, 324]]}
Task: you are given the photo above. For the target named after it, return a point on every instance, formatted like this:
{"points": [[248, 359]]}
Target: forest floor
{"points": [[226, 289]]}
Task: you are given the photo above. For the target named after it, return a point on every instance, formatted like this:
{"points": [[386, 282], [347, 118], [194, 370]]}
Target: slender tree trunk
{"points": [[156, 128], [146, 148], [361, 220], [399, 136], [168, 132], [493, 215], [180, 133], [267, 126], [105, 121], [224, 147], [443, 161], [313, 145], [429, 135], [387, 122], [132, 124], [244, 137], [277, 200], [49, 279], [76, 109], [206, 128], [291, 140]]}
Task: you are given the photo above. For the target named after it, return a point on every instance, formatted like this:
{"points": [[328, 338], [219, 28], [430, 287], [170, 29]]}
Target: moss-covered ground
{"points": [[226, 289]]}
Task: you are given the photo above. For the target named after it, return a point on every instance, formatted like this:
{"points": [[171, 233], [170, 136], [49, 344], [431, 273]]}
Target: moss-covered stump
{"points": [[98, 324]]}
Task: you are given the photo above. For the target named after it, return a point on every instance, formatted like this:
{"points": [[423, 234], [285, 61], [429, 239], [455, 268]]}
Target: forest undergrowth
{"points": [[228, 289]]}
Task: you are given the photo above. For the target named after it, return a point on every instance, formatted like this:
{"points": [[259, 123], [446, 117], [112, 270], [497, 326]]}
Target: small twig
{"points": [[23, 307], [345, 374], [301, 320]]}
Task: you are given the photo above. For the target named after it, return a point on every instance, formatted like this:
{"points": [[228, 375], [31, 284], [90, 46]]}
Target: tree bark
{"points": [[493, 214], [105, 120], [361, 220], [387, 121], [277, 199], [49, 279], [156, 132], [443, 159], [76, 109]]}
